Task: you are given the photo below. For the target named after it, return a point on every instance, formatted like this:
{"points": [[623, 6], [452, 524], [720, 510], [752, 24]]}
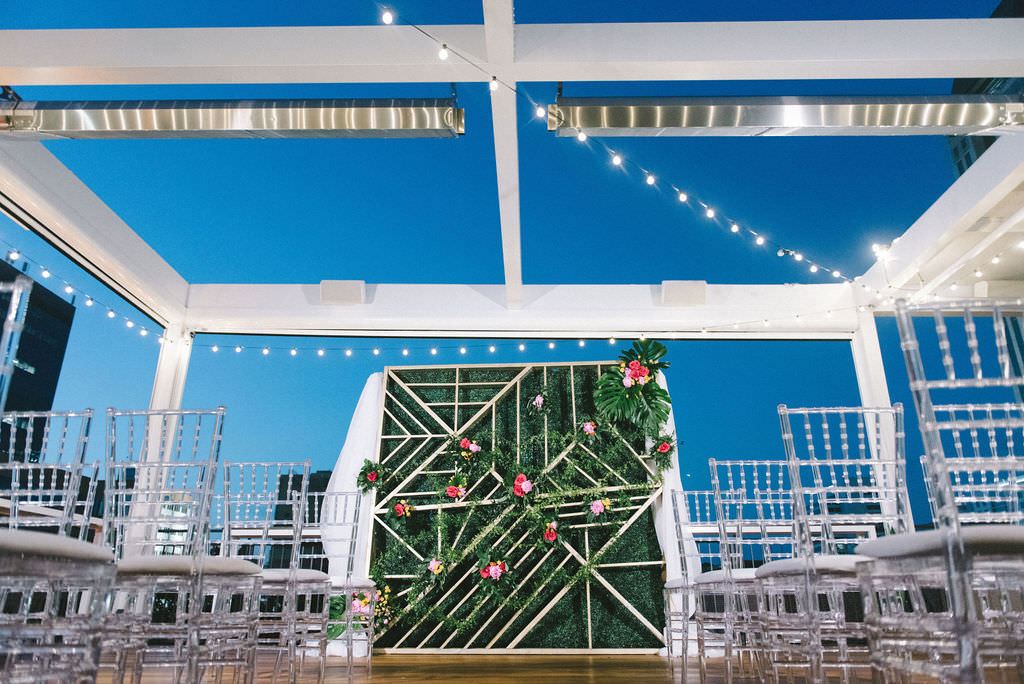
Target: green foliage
{"points": [[644, 403], [371, 475]]}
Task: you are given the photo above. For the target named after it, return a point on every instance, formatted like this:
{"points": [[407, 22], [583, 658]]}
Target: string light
{"points": [[650, 179], [215, 349], [405, 352], [611, 340], [68, 289], [581, 136], [583, 343], [491, 349], [376, 352], [759, 240], [238, 350], [433, 351], [735, 228], [110, 313], [814, 268], [995, 259], [89, 301], [462, 350], [294, 352], [46, 273], [617, 160], [143, 332], [551, 345], [266, 351], [442, 54], [493, 85], [798, 256], [129, 324], [977, 273], [541, 112], [682, 197], [348, 352], [388, 17], [522, 347], [710, 213], [836, 274], [14, 255], [780, 253], [319, 352]]}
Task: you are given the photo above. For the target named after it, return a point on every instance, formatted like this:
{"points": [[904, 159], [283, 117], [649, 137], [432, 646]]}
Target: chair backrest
{"points": [[18, 292], [46, 484], [697, 534], [335, 515], [967, 387], [161, 471], [754, 506], [262, 512], [848, 470]]}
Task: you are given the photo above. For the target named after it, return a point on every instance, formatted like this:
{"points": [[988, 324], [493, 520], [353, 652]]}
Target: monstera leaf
{"points": [[628, 394]]}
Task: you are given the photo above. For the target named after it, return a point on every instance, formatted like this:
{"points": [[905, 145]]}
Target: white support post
{"points": [[867, 362], [171, 368]]}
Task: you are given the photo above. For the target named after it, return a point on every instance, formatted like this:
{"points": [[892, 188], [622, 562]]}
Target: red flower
{"points": [[520, 479], [452, 491], [484, 572], [502, 566], [644, 372], [550, 534], [464, 444], [635, 373], [372, 476], [634, 365], [518, 490], [664, 447], [399, 509]]}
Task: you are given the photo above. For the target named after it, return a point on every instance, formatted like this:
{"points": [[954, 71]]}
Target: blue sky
{"points": [[425, 211]]}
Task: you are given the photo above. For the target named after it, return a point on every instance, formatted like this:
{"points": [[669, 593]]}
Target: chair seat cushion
{"points": [[826, 564], [354, 583], [994, 539], [280, 576], [677, 583], [185, 565], [51, 545], [738, 575]]}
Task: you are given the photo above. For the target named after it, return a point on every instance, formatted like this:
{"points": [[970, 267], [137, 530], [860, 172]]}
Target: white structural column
{"points": [[171, 369], [499, 29], [867, 362]]}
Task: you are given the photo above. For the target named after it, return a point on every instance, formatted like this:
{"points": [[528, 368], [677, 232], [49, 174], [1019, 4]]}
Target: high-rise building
{"points": [[44, 340], [967, 148]]}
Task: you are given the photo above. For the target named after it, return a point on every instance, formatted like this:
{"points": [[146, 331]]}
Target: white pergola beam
{"points": [[45, 195], [557, 310], [978, 191], [499, 28], [934, 48]]}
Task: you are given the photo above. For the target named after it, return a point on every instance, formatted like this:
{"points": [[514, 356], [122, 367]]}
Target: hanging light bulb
{"points": [[433, 351], [735, 228], [798, 256], [68, 289], [388, 17], [583, 343], [319, 352], [814, 269], [977, 273], [581, 136], [348, 352], [442, 54], [541, 112], [238, 350], [110, 313], [835, 274], [462, 350], [46, 273], [129, 324], [995, 259], [294, 352], [682, 197], [13, 254], [780, 253], [953, 287], [266, 351], [215, 349], [89, 301], [650, 179], [522, 347], [759, 240], [617, 160], [611, 340], [710, 213], [376, 352], [551, 345], [491, 349], [405, 352], [493, 85]]}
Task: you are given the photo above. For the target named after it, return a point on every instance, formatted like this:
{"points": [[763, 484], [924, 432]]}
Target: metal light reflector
{"points": [[679, 116], [406, 118]]}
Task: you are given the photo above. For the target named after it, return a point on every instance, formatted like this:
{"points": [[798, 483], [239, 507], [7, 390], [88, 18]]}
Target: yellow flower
{"points": [[607, 503]]}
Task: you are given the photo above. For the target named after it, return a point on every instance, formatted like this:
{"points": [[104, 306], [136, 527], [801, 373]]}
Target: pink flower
{"points": [[664, 447], [359, 607], [372, 476], [474, 447], [527, 486], [641, 380], [597, 507], [634, 365], [589, 427], [644, 372], [435, 566], [538, 401], [452, 491], [627, 381], [464, 444], [550, 534], [520, 478], [495, 571]]}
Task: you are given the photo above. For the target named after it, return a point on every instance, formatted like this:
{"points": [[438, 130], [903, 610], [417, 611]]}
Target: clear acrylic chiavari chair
{"points": [[264, 505], [847, 468], [175, 606], [696, 529], [949, 602], [754, 508], [335, 515], [54, 580]]}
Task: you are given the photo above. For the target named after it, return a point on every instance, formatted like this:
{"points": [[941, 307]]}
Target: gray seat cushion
{"points": [[276, 576], [827, 564], [714, 576], [52, 545], [185, 565], [990, 539]]}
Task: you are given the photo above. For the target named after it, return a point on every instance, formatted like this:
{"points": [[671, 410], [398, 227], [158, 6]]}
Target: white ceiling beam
{"points": [[308, 54], [933, 48], [980, 190], [755, 50], [396, 310], [499, 29], [45, 196]]}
